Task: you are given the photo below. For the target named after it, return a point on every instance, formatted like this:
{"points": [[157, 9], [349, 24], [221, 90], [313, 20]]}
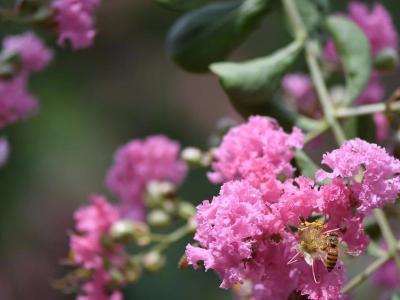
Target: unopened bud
{"points": [[192, 224], [122, 231], [157, 191], [117, 278], [192, 156], [132, 271], [186, 210], [153, 261], [386, 60], [125, 231], [158, 218]]}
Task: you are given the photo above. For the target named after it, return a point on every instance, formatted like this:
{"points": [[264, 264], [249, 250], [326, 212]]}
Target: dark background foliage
{"points": [[91, 101]]}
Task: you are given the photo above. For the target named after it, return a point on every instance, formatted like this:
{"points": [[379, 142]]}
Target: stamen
{"points": [[293, 259], [313, 273]]}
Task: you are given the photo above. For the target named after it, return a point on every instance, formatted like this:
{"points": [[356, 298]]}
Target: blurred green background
{"points": [[91, 101]]}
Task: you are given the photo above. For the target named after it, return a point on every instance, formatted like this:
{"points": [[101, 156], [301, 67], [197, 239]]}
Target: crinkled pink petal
{"points": [[380, 173], [257, 151]]}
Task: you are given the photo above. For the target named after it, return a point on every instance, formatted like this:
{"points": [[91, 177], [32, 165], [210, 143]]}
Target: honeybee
{"points": [[316, 243], [332, 251]]}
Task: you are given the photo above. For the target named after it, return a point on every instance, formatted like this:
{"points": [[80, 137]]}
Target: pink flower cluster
{"points": [[245, 236], [75, 22], [136, 164], [31, 55], [247, 152], [155, 158], [93, 223]]}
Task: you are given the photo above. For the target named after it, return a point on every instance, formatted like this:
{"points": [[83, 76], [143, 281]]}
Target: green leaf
{"points": [[305, 164], [396, 295], [209, 34], [182, 5], [355, 54], [309, 13], [251, 85]]}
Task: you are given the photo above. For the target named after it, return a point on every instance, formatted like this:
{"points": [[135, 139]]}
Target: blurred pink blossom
{"points": [[16, 103], [35, 56], [377, 25], [136, 164], [92, 223], [75, 22], [299, 90]]}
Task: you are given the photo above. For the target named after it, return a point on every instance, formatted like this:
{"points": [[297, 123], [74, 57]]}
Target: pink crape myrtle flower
{"points": [[227, 229], [375, 23], [370, 172], [138, 162], [96, 288], [75, 22], [16, 103], [35, 56], [92, 223], [257, 151], [243, 238]]}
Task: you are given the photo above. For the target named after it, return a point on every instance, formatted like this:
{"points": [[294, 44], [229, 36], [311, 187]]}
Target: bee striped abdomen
{"points": [[332, 253]]}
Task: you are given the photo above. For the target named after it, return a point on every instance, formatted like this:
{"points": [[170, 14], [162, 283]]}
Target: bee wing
{"points": [[344, 250]]}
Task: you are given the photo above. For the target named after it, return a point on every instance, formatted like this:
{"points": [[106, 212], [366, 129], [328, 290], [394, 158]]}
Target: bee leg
{"points": [[313, 273], [293, 259]]}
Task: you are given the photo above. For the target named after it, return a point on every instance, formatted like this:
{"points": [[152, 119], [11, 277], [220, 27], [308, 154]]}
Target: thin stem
{"points": [[322, 91], [345, 112], [387, 234], [300, 32], [173, 237], [360, 278], [314, 134], [297, 23]]}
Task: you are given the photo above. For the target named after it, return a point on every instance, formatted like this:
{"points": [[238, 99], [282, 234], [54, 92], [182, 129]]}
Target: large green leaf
{"points": [[209, 34], [251, 85], [355, 54]]}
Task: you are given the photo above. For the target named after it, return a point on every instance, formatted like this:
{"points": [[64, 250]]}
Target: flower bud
{"points": [[186, 210], [153, 261], [386, 60], [157, 191], [192, 156], [133, 270], [125, 231], [158, 218]]}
